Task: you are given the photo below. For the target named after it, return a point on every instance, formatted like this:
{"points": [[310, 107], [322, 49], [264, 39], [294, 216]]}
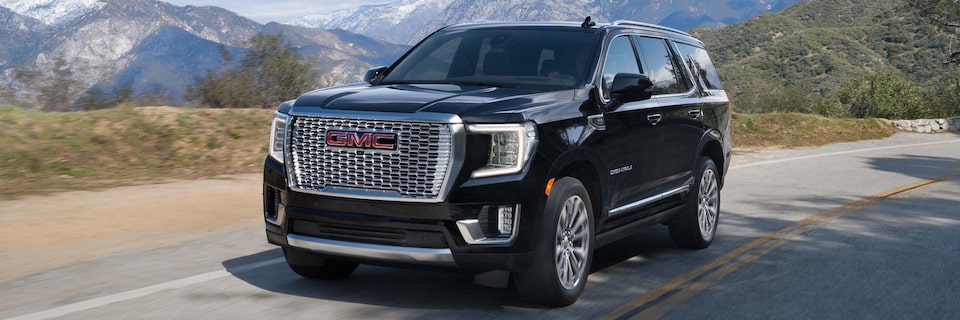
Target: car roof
{"points": [[619, 24]]}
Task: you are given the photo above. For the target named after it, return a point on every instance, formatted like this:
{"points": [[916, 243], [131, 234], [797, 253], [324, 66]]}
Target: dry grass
{"points": [[794, 130], [50, 152]]}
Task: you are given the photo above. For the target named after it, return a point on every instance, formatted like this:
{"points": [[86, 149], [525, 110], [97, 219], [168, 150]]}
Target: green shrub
{"points": [[883, 95]]}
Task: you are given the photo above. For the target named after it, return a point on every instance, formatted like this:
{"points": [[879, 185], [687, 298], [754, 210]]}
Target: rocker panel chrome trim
{"points": [[626, 208]]}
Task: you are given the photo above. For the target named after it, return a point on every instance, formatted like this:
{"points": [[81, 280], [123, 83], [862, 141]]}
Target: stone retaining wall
{"points": [[928, 125]]}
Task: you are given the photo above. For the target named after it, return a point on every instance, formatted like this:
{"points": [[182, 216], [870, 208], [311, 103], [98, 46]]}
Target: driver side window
{"points": [[621, 58]]}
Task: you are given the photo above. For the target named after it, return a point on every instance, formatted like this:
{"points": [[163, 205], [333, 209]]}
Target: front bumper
{"points": [[426, 256], [403, 234]]}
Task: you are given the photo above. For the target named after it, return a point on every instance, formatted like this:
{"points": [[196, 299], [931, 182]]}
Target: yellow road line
{"points": [[684, 287]]}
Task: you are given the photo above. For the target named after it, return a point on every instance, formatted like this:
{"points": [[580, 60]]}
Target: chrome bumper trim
{"points": [[473, 234], [439, 257]]}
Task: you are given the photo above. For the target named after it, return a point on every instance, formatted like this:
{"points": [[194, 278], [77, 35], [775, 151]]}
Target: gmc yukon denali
{"points": [[503, 148]]}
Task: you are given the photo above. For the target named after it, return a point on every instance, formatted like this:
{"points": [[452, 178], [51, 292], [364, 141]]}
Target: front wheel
{"points": [[696, 226], [564, 248]]}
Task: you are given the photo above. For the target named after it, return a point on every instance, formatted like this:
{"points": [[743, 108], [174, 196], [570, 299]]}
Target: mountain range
{"points": [[408, 21], [151, 46], [50, 12], [154, 48]]}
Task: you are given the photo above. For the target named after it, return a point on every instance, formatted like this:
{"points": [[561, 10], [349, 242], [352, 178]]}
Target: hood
{"points": [[466, 101]]}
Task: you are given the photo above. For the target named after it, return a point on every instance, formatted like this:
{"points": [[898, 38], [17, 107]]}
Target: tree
{"points": [[944, 14], [54, 91], [945, 17], [93, 99], [226, 89], [277, 69], [123, 92], [270, 72], [883, 95]]}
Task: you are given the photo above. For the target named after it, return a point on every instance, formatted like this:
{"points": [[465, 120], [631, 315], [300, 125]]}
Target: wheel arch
{"points": [[712, 147], [588, 173]]}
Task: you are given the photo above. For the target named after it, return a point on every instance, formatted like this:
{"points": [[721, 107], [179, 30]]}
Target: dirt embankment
{"points": [[45, 232]]}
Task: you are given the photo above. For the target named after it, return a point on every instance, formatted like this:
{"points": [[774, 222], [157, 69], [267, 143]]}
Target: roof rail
{"points": [[648, 25]]}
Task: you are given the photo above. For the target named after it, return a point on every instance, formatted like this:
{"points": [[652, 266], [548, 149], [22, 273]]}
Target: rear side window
{"points": [[659, 64], [701, 65]]}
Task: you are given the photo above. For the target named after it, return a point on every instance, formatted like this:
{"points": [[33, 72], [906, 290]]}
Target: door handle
{"points": [[695, 113], [654, 118]]}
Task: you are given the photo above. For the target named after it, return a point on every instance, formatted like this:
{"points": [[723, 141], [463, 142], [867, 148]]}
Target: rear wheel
{"points": [[696, 226], [564, 248], [316, 266]]}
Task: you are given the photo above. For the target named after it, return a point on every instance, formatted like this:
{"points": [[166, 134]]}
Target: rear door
{"points": [[681, 126]]}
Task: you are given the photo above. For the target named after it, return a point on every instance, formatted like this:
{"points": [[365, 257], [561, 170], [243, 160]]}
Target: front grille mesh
{"points": [[415, 170], [369, 234]]}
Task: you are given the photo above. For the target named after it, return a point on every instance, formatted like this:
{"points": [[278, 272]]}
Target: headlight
{"points": [[511, 146], [278, 136]]}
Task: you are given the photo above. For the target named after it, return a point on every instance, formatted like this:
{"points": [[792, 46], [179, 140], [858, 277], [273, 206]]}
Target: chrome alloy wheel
{"points": [[708, 204], [573, 242]]}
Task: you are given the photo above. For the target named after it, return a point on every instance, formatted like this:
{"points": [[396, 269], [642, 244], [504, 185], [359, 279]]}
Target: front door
{"points": [[633, 135]]}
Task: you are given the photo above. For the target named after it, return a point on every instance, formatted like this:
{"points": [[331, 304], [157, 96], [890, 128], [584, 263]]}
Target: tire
{"points": [[314, 266], [696, 225], [564, 248]]}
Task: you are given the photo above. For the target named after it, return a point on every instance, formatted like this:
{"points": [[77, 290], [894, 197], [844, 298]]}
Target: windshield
{"points": [[516, 58]]}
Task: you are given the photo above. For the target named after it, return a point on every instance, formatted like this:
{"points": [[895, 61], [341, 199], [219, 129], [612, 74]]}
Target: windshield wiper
{"points": [[457, 83], [487, 84]]}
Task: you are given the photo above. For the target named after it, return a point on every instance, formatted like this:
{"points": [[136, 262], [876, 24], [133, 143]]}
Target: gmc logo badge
{"points": [[362, 140]]}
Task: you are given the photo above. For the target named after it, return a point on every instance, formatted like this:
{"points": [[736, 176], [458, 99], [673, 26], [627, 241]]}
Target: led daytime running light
{"points": [[511, 146], [278, 136]]}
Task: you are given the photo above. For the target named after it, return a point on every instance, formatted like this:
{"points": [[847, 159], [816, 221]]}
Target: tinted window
{"points": [[700, 64], [683, 75], [527, 58], [663, 70], [621, 58], [437, 64]]}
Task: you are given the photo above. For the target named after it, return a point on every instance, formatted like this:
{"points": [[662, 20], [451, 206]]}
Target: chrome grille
{"points": [[415, 170]]}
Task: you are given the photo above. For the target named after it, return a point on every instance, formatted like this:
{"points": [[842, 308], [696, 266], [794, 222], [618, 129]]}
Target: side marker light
{"points": [[549, 186]]}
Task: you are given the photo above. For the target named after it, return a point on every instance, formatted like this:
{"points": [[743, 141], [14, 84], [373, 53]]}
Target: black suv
{"points": [[503, 149]]}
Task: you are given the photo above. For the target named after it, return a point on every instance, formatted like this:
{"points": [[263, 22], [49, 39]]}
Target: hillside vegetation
{"points": [[46, 152], [49, 152], [857, 58]]}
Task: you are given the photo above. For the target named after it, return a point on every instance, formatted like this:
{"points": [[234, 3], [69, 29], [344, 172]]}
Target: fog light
{"points": [[494, 225], [505, 220], [274, 209]]}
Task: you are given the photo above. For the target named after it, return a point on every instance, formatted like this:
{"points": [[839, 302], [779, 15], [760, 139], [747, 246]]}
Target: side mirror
{"points": [[631, 87], [373, 74]]}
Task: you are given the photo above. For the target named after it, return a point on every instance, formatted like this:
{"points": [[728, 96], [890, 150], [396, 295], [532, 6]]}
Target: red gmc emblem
{"points": [[362, 140]]}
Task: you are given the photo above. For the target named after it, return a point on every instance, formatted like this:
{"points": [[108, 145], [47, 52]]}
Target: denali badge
{"points": [[362, 140]]}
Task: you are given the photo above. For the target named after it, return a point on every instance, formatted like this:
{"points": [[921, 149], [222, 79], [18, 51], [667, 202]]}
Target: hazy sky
{"points": [[278, 10]]}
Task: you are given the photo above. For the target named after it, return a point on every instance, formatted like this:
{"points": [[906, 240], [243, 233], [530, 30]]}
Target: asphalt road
{"points": [[864, 230]]}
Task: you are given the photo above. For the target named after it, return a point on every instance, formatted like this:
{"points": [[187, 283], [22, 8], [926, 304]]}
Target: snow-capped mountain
{"points": [[50, 12], [154, 47], [20, 37], [395, 21], [408, 21]]}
